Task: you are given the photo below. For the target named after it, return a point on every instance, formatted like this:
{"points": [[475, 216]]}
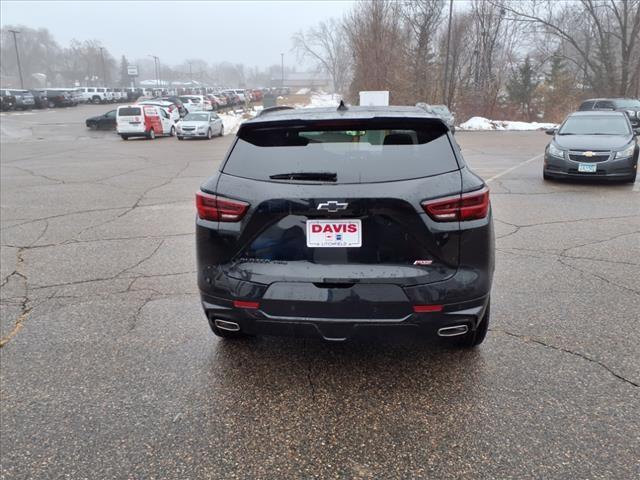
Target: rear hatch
{"points": [[130, 117], [335, 212]]}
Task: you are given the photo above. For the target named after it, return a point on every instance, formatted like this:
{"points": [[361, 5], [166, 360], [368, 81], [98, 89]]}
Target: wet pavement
{"points": [[109, 369]]}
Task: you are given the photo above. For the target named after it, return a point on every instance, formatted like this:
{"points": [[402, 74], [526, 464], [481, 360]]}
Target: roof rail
{"points": [[276, 108]]}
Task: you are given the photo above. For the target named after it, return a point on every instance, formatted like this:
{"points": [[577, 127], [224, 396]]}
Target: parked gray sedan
{"points": [[200, 125], [596, 144]]}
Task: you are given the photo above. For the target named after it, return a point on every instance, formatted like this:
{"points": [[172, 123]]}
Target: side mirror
{"points": [[550, 131], [636, 132]]}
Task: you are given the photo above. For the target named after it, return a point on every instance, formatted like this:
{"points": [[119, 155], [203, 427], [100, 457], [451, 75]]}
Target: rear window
{"points": [[360, 153], [129, 111]]}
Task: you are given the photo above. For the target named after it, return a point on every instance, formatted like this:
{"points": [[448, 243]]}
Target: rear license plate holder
{"points": [[334, 233]]}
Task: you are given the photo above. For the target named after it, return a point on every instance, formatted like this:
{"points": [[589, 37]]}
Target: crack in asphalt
{"points": [[537, 341], [25, 306]]}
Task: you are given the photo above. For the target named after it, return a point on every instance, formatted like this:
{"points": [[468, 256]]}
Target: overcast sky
{"points": [[249, 32]]}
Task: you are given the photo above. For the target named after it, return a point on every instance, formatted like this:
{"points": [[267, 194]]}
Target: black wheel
{"points": [[93, 126], [124, 137], [221, 131], [226, 333], [172, 132], [180, 138], [209, 134], [151, 135], [96, 100], [477, 336]]}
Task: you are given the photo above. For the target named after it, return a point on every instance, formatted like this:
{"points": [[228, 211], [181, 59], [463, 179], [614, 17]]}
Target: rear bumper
{"points": [[258, 322]]}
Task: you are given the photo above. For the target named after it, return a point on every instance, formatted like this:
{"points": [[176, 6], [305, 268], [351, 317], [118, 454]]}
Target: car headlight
{"points": [[631, 114], [555, 151], [627, 152]]}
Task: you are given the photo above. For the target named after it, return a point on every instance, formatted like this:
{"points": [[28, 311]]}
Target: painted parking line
{"points": [[511, 169]]}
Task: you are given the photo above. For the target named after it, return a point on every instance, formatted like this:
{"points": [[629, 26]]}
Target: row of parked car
{"points": [[210, 98]]}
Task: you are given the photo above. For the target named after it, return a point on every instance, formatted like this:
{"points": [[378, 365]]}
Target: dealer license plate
{"points": [[587, 167], [334, 233]]}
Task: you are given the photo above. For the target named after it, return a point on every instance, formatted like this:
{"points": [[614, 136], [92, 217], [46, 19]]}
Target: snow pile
{"points": [[481, 123], [232, 119], [324, 100], [303, 91]]}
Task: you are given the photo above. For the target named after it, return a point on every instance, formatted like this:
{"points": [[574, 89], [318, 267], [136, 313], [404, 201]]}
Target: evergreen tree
{"points": [[521, 88]]}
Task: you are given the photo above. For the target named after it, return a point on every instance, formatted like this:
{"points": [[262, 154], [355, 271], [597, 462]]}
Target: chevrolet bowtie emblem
{"points": [[332, 206], [588, 154]]}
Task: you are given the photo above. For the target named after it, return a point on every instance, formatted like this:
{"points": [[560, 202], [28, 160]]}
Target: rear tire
{"points": [[151, 135], [124, 137], [476, 337], [172, 132], [221, 131], [226, 333], [180, 138]]}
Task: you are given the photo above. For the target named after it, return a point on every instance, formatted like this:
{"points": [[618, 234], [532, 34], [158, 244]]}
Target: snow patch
{"points": [[232, 119], [324, 100], [481, 123], [303, 91]]}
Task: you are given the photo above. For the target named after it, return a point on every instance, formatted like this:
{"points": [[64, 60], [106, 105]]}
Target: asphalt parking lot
{"points": [[109, 369]]}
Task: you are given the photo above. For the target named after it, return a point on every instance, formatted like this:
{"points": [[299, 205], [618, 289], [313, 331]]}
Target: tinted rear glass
{"points": [[129, 112], [360, 154]]}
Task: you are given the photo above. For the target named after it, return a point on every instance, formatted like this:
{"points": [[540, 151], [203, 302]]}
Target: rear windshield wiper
{"points": [[309, 176]]}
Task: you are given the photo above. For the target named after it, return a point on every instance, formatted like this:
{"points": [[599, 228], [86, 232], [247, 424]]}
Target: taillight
{"points": [[245, 304], [216, 208], [468, 206]]}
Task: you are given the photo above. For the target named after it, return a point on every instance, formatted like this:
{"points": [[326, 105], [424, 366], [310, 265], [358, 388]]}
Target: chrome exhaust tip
{"points": [[453, 331], [226, 325]]}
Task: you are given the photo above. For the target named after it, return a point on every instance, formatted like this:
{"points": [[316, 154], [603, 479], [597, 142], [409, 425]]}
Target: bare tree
{"points": [[422, 19], [326, 45], [376, 39], [600, 36]]}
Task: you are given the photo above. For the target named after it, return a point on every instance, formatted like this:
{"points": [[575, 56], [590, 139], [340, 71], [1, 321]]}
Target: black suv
{"points": [[7, 100], [630, 106], [333, 222]]}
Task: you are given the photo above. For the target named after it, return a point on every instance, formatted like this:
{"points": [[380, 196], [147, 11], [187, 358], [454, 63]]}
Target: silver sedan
{"points": [[200, 125]]}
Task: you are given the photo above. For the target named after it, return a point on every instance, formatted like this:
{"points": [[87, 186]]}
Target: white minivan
{"points": [[148, 121]]}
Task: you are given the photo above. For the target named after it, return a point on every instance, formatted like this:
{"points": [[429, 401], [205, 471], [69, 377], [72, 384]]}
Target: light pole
{"points": [[282, 69], [104, 70], [15, 44], [445, 89], [156, 60], [190, 72]]}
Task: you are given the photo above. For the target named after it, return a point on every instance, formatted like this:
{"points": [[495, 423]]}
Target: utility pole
{"points": [[15, 44], [156, 60], [190, 72], [445, 90], [104, 70], [282, 69]]}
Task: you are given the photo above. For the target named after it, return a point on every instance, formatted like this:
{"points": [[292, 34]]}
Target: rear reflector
{"points": [[243, 304], [427, 308], [216, 208], [468, 206]]}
